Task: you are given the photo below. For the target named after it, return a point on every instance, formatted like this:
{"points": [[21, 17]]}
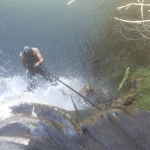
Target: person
{"points": [[32, 61]]}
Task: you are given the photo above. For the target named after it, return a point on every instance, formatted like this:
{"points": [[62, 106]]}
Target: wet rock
{"points": [[118, 129], [132, 83], [128, 101], [96, 96], [105, 94], [105, 106], [51, 128], [124, 101], [89, 92]]}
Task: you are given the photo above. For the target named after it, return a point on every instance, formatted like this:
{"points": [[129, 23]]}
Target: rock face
{"points": [[95, 96], [38, 127], [89, 92], [41, 127], [118, 130]]}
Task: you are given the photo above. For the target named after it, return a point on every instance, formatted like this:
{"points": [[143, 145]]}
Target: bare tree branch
{"points": [[136, 4], [128, 21], [142, 27]]}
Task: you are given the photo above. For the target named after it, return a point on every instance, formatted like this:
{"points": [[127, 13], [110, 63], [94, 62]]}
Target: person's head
{"points": [[26, 51]]}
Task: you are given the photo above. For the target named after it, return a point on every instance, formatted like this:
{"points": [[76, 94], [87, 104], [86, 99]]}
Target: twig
{"points": [[143, 28], [136, 4], [130, 38], [128, 21]]}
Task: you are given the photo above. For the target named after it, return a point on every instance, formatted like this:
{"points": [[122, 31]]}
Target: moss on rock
{"points": [[141, 88]]}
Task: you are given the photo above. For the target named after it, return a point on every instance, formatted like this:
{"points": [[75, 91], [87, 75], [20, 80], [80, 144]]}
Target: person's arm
{"points": [[39, 55], [22, 60]]}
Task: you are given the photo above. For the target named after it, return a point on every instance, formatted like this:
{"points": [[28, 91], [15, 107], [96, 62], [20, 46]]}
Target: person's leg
{"points": [[31, 84], [44, 72]]}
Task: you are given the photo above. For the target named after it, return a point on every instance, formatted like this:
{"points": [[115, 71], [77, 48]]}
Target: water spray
{"points": [[75, 91]]}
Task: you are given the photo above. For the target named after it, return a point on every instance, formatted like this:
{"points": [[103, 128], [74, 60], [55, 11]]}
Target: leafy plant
{"points": [[124, 79]]}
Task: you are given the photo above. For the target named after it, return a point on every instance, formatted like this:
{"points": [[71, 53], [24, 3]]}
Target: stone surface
{"points": [[41, 127]]}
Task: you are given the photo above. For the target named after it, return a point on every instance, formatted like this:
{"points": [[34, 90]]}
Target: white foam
{"points": [[13, 93]]}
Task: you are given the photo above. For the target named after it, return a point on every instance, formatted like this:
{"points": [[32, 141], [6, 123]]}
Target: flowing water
{"points": [[67, 34], [58, 29], [63, 31]]}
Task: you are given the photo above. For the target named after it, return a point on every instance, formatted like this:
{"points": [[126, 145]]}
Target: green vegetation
{"points": [[142, 77], [124, 79], [116, 51]]}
